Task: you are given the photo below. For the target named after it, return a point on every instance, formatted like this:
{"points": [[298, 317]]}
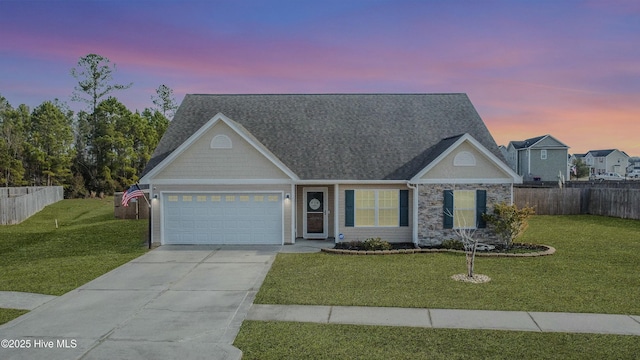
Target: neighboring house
{"points": [[634, 165], [573, 158], [604, 161], [540, 158], [267, 169]]}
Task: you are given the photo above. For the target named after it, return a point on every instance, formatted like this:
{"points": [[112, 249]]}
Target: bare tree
{"points": [[466, 235]]}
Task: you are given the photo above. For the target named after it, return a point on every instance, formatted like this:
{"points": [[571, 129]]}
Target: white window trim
{"points": [[376, 209], [543, 154]]}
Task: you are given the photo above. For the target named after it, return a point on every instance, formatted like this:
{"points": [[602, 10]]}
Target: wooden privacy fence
{"points": [[137, 209], [622, 203], [19, 203]]}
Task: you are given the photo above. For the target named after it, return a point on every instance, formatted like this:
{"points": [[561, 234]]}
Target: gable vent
{"points": [[464, 158], [221, 142]]}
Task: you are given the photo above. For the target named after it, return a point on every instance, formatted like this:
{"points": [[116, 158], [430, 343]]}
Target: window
{"points": [[463, 209], [365, 208], [543, 154], [384, 208], [388, 204], [377, 208]]}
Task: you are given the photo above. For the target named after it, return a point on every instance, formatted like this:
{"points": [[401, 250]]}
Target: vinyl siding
{"points": [[548, 169], [390, 234], [484, 168], [200, 161]]}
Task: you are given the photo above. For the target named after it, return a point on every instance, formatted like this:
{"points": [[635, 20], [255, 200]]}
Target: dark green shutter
{"points": [[404, 207], [481, 207], [447, 209], [349, 208]]}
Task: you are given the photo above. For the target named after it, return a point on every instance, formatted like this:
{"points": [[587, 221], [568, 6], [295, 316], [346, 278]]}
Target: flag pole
{"points": [[145, 198], [149, 222]]}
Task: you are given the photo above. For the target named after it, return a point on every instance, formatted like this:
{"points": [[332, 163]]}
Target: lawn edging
{"points": [[549, 251]]}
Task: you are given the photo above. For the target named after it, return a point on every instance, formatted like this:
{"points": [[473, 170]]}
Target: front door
{"points": [[315, 213]]}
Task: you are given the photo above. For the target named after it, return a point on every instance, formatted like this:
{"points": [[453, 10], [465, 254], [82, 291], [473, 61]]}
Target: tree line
{"points": [[99, 150]]}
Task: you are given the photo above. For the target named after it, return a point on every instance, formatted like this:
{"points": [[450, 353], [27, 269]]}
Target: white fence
{"points": [[19, 203]]}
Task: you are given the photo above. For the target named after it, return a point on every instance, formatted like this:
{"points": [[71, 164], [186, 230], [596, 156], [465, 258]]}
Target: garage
{"points": [[222, 218]]}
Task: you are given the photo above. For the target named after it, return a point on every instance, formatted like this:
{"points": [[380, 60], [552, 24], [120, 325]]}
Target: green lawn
{"points": [[89, 241], [285, 340], [595, 269]]}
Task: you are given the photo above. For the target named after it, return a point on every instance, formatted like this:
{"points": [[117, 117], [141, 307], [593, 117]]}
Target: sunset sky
{"points": [[561, 67]]}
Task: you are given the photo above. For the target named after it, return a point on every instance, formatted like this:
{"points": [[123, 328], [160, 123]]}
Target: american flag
{"points": [[133, 192]]}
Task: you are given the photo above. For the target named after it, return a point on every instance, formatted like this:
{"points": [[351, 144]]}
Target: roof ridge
{"points": [[323, 94]]}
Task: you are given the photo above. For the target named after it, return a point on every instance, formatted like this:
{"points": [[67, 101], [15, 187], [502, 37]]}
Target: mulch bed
{"points": [[517, 250]]}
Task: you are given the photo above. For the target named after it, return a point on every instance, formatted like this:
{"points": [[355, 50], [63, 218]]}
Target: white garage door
{"points": [[222, 218]]}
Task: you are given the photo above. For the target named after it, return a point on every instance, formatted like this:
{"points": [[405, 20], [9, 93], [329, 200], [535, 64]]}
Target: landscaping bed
{"points": [[516, 250]]}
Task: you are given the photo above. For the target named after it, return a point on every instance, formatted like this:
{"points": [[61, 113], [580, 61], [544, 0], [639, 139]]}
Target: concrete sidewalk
{"points": [[22, 300], [450, 318]]}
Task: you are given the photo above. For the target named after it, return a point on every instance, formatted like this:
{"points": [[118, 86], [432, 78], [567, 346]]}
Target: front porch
{"points": [[322, 211], [316, 212]]}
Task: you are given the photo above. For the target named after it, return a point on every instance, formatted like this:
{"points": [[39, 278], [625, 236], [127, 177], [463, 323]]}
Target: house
{"points": [[541, 158], [634, 165], [604, 161], [267, 169]]}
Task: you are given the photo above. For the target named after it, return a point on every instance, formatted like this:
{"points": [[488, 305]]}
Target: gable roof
{"points": [[338, 136], [528, 143], [446, 146], [603, 153], [238, 129]]}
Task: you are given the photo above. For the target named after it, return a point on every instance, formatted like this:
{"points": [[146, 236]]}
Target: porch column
{"points": [[416, 193], [294, 224], [336, 217]]}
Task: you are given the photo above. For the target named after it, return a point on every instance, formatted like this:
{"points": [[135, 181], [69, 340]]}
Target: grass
{"points": [[38, 257], [594, 270], [284, 340], [7, 315]]}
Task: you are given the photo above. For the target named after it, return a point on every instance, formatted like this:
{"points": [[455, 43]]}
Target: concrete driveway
{"points": [[175, 302]]}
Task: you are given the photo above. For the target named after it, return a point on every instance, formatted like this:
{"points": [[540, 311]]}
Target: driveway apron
{"points": [[185, 302]]}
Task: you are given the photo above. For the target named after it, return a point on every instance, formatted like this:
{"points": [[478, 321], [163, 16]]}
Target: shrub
{"points": [[375, 244], [453, 244], [508, 221]]}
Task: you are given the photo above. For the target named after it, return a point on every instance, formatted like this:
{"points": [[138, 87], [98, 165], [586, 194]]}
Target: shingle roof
{"points": [[600, 153], [339, 136], [527, 143]]}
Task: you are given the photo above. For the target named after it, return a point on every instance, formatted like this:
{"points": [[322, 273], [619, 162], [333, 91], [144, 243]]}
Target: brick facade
{"points": [[430, 211]]}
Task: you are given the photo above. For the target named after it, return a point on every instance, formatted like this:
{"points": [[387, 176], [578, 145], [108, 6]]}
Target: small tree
{"points": [[466, 235], [470, 244], [579, 169], [508, 221]]}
